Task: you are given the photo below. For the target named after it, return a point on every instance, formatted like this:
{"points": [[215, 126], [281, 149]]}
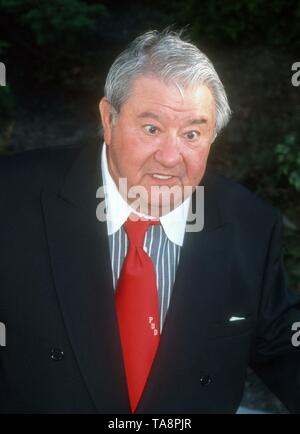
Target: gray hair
{"points": [[167, 56]]}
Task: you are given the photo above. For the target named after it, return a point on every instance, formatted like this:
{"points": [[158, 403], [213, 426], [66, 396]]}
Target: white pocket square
{"points": [[236, 318]]}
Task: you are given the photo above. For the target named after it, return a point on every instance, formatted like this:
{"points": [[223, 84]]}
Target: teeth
{"points": [[161, 176]]}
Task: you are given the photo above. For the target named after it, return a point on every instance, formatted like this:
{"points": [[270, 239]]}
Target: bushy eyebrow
{"points": [[149, 115], [193, 121], [197, 121]]}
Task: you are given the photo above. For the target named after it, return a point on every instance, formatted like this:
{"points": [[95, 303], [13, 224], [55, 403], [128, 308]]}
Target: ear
{"points": [[106, 119]]}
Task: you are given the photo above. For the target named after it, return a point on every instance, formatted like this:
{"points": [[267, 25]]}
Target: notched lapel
{"points": [[202, 282], [79, 252]]}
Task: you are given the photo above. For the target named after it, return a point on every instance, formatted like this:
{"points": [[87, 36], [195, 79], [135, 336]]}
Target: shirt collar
{"points": [[118, 210]]}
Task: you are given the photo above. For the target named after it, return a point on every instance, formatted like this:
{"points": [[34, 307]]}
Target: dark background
{"points": [[57, 54]]}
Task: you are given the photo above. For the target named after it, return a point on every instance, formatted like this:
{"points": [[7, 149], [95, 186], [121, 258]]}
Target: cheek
{"points": [[123, 146], [196, 164], [133, 159], [138, 153]]}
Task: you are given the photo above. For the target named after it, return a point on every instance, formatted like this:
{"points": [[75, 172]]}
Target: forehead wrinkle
{"points": [[190, 119], [157, 113], [139, 92], [179, 109]]}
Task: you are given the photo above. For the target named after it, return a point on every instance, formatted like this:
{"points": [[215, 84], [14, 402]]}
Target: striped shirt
{"points": [[162, 242], [165, 257]]}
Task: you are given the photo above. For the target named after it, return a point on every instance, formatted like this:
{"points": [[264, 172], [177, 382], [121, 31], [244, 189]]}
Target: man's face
{"points": [[161, 138]]}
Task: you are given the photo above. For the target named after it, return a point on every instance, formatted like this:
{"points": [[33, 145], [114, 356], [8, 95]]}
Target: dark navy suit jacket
{"points": [[63, 352]]}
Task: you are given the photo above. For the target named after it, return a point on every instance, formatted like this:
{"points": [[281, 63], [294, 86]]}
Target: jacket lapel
{"points": [[79, 252], [202, 282]]}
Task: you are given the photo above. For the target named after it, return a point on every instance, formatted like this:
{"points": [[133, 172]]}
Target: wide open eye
{"points": [[192, 135], [151, 129]]}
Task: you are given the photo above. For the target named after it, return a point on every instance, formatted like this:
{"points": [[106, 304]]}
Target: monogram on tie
{"points": [[137, 309]]}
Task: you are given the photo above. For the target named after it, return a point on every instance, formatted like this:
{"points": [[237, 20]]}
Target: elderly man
{"points": [[126, 310]]}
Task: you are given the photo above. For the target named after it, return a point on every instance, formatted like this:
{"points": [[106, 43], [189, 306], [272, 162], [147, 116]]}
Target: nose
{"points": [[168, 153]]}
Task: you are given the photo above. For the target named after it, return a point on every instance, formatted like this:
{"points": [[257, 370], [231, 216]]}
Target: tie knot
{"points": [[136, 230]]}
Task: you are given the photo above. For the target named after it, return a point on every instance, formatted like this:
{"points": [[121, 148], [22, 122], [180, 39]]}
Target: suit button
{"points": [[56, 354], [205, 380]]}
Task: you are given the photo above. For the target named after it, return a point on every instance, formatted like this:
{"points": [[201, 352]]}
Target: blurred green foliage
{"points": [[62, 22], [287, 169], [43, 27], [242, 22], [55, 40], [272, 170], [288, 160]]}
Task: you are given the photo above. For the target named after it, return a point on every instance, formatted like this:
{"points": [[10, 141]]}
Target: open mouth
{"points": [[163, 177]]}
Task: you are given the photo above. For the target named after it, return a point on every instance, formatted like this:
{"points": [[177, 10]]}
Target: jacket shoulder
{"points": [[236, 201], [35, 169]]}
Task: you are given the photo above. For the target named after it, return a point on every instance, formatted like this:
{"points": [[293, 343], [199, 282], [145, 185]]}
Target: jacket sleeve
{"points": [[275, 353]]}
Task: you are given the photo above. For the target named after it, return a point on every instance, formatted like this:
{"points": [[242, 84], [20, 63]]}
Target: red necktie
{"points": [[137, 310]]}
